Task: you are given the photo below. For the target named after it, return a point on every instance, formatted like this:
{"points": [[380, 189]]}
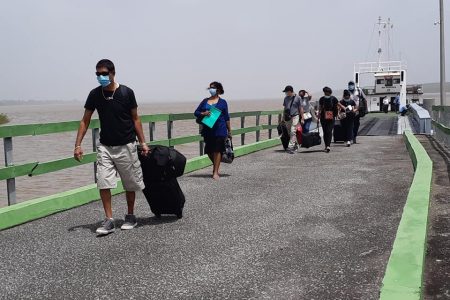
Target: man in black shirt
{"points": [[119, 126]]}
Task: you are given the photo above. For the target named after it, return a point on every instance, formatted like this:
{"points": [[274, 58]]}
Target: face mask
{"points": [[327, 97], [103, 80], [212, 91], [347, 99], [351, 87]]}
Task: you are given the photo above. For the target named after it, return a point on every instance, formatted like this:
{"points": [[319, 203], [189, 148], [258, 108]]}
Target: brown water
{"points": [[49, 147]]}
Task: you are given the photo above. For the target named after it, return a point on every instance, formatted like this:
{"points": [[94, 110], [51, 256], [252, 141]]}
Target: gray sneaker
{"points": [[107, 227], [130, 222]]}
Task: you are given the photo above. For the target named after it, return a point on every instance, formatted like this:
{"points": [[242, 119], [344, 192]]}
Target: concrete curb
{"points": [[403, 278], [41, 207]]}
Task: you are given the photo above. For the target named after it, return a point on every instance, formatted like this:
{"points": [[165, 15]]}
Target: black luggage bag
{"points": [[339, 133], [311, 139], [284, 133], [162, 163], [165, 197]]}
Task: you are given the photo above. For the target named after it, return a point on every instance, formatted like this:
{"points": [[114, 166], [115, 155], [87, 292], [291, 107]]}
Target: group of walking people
{"points": [[121, 128], [298, 111]]}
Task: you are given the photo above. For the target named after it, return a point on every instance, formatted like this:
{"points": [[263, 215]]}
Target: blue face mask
{"points": [[351, 87], [327, 97], [103, 80], [212, 91]]}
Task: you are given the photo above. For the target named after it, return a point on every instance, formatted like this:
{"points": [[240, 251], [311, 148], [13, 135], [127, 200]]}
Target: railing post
{"points": [[10, 183], [258, 116], [151, 128], [201, 143], [169, 130], [243, 134], [95, 139], [270, 123]]}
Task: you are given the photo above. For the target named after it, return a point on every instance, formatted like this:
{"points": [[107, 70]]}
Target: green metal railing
{"points": [[441, 123], [12, 171]]}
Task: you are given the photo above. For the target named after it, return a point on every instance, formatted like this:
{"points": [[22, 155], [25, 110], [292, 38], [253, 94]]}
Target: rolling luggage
{"points": [[338, 133], [284, 135], [160, 169], [162, 163], [311, 139], [165, 197]]}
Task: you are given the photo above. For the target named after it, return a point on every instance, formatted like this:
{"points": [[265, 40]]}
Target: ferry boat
{"points": [[389, 78]]}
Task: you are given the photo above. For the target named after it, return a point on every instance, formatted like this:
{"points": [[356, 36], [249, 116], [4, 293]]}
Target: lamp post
{"points": [[442, 50]]}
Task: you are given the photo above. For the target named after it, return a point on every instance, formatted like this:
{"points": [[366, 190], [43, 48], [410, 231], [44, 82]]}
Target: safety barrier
{"points": [[420, 119], [441, 124], [404, 273]]}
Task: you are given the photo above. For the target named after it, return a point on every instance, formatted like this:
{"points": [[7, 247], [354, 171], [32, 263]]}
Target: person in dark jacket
{"points": [[348, 106], [215, 137], [328, 108]]}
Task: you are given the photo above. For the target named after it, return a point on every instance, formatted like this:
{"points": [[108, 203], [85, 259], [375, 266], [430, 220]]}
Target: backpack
{"points": [[362, 110]]}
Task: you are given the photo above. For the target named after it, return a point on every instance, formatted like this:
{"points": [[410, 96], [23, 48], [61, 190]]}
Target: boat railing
{"points": [[11, 171], [375, 67], [441, 124]]}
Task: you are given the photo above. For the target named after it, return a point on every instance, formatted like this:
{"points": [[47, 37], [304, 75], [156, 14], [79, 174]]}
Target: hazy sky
{"points": [[169, 50]]}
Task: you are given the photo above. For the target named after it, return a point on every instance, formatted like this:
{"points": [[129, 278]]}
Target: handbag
{"points": [[228, 155], [341, 116], [307, 116]]}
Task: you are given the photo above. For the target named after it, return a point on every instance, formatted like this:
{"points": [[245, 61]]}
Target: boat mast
{"points": [[383, 25]]}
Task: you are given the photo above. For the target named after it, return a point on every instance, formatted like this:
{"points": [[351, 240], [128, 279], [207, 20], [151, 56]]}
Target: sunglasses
{"points": [[102, 73]]}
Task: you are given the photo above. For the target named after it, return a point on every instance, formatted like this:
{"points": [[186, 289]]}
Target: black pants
{"points": [[347, 125], [327, 127], [356, 127]]}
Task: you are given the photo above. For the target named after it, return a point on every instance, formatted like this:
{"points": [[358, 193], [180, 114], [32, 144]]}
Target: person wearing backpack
{"points": [[117, 152], [328, 109], [292, 116], [357, 95]]}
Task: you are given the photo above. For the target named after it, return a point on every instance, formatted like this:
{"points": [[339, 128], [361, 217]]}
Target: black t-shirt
{"points": [[350, 114], [116, 123], [328, 104]]}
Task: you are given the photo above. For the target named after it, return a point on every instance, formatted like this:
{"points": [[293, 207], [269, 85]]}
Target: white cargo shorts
{"points": [[119, 160]]}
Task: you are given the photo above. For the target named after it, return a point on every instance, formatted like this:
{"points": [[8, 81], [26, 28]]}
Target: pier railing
{"points": [[441, 123], [11, 171]]}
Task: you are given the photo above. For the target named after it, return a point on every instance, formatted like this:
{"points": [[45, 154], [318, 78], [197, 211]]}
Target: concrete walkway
{"points": [[276, 226]]}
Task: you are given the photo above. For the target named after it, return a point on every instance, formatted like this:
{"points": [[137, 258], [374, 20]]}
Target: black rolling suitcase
{"points": [[284, 135], [338, 133], [311, 139], [162, 191], [162, 163], [165, 197]]}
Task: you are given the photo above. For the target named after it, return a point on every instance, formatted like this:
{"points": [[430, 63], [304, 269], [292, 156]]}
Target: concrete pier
{"points": [[275, 226]]}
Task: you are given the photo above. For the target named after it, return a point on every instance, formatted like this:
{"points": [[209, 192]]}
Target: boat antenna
{"points": [[386, 26]]}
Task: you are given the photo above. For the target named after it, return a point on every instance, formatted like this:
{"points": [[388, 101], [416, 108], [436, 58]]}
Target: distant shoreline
{"points": [[429, 88]]}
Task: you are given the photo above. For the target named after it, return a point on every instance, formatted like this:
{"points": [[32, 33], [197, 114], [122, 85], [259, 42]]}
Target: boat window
{"points": [[396, 80], [380, 81], [389, 82]]}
